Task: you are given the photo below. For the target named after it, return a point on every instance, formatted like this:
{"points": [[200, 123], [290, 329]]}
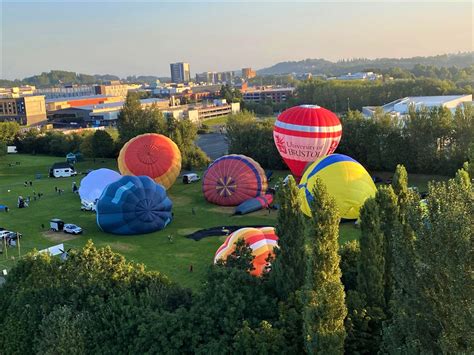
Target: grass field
{"points": [[154, 250]]}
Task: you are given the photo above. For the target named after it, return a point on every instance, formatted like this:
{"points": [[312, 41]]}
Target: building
{"points": [[275, 95], [215, 77], [17, 91], [401, 107], [248, 73], [115, 88], [27, 110], [358, 76], [64, 102], [217, 109], [205, 77], [67, 91], [198, 112], [180, 72], [104, 114]]}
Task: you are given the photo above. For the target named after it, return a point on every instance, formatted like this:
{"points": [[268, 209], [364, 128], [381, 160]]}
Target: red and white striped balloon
{"points": [[304, 133]]}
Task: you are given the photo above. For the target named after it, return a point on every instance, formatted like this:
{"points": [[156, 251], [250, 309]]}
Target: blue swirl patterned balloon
{"points": [[133, 205]]}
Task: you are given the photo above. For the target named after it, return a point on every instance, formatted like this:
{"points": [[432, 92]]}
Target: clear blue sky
{"points": [[143, 37]]}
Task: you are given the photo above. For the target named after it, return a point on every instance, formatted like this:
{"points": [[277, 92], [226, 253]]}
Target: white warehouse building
{"points": [[401, 107]]}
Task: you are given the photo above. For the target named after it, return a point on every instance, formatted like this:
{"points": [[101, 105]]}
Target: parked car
{"points": [[5, 233], [72, 229], [190, 178]]}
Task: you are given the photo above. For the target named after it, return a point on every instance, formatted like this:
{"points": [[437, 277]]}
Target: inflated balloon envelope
{"points": [[262, 241], [233, 179], [94, 183], [304, 133], [346, 181], [133, 205], [152, 155]]}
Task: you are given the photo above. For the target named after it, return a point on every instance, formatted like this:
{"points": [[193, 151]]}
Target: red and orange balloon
{"points": [[152, 155], [262, 241]]}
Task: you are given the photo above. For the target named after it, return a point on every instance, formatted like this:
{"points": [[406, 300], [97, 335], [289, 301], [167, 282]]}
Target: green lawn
{"points": [[217, 121], [154, 250]]}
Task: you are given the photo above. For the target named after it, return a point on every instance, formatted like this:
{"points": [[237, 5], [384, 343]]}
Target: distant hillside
{"points": [[61, 77], [322, 66]]}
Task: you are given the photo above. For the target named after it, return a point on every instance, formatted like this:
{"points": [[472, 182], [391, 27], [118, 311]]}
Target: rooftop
{"points": [[76, 98], [119, 104]]}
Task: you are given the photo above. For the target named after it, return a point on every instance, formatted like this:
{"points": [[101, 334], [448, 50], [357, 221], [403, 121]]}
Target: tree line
{"points": [[342, 95], [404, 288], [431, 141]]}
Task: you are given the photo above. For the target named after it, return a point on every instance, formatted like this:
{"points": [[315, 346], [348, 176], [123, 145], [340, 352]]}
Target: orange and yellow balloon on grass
{"points": [[152, 155], [262, 241]]}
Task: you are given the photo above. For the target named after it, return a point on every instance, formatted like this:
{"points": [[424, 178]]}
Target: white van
{"points": [[11, 149], [62, 170], [190, 178]]}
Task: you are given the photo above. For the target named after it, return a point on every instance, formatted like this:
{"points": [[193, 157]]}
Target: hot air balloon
{"points": [[95, 183], [302, 134], [232, 179], [262, 241], [152, 155], [254, 204], [133, 205], [346, 180]]}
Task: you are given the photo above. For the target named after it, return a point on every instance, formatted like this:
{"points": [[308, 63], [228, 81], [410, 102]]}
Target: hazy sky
{"points": [[143, 37]]}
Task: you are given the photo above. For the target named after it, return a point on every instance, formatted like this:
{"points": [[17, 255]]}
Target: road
{"points": [[213, 144]]}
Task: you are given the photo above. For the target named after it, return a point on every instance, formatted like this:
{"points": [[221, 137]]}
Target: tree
{"points": [[254, 138], [370, 278], [102, 144], [133, 120], [62, 332], [8, 131], [350, 255], [241, 258], [264, 340], [446, 286], [390, 227], [324, 305], [371, 266], [288, 268]]}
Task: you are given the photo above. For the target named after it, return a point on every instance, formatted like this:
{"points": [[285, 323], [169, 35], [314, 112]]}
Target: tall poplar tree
{"points": [[324, 303], [370, 280], [390, 227], [288, 268]]}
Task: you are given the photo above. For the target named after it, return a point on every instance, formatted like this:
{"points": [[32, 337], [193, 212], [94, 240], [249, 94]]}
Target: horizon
{"points": [[236, 70], [68, 36]]}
